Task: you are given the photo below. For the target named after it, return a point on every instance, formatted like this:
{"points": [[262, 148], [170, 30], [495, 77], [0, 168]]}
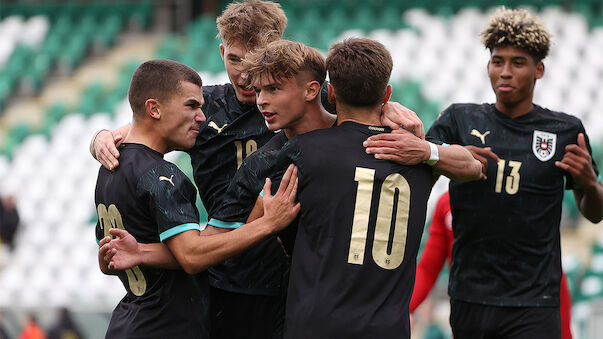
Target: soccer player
{"points": [[438, 249], [287, 77], [358, 237], [155, 201], [506, 258], [362, 218], [249, 284]]}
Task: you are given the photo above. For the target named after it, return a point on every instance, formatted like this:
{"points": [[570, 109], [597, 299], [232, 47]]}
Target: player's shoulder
{"points": [[467, 109], [213, 92], [163, 172], [275, 143], [561, 117], [138, 158]]}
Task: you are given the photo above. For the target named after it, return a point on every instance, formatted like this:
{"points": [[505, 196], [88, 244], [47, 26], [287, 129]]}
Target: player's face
{"points": [[513, 74], [182, 117], [233, 54], [282, 102]]}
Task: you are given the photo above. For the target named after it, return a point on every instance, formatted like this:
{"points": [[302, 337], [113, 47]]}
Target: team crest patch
{"points": [[543, 145]]}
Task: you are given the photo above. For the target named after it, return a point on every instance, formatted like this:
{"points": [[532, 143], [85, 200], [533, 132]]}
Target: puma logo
{"points": [[481, 137], [213, 125], [162, 178]]}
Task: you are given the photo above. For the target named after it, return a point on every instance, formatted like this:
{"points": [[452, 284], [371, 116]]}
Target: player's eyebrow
{"points": [[233, 56], [194, 101]]}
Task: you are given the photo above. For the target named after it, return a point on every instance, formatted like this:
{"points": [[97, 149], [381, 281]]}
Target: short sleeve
{"points": [[443, 130], [244, 189], [290, 153], [170, 196]]}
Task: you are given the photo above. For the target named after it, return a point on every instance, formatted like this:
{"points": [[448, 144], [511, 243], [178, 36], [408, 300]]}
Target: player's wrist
{"points": [[434, 154], [92, 148]]}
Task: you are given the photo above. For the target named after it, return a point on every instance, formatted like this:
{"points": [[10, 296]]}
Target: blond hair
{"points": [[517, 28], [284, 59], [251, 23]]}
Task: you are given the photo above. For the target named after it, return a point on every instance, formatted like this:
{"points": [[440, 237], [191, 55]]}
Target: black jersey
{"points": [[260, 269], [231, 132], [506, 250], [359, 231], [153, 200]]}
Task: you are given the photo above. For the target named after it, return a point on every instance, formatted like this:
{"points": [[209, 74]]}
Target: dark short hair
{"points": [[158, 79], [517, 28], [359, 70]]}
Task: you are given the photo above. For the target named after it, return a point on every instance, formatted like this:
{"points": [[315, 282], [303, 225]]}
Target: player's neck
{"points": [[362, 115], [315, 117], [515, 110], [147, 137]]}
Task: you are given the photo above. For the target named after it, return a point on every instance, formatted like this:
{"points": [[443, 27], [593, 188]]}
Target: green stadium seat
{"points": [[591, 287]]}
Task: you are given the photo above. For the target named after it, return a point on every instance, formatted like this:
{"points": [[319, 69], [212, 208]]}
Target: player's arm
{"points": [[132, 253], [433, 256], [194, 252], [578, 163], [197, 253], [565, 306], [103, 146], [454, 161]]}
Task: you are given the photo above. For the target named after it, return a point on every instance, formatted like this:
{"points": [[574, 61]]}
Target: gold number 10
{"points": [[394, 189]]}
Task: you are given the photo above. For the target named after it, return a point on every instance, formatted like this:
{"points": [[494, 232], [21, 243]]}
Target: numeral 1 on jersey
{"points": [[512, 181], [395, 190], [111, 218], [250, 147]]}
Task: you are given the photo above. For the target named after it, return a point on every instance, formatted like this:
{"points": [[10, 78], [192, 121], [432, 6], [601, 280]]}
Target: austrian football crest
{"points": [[543, 145]]}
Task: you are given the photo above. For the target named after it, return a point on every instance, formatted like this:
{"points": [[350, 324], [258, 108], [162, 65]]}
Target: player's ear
{"points": [[222, 51], [152, 108], [330, 93], [539, 70], [312, 90], [388, 93]]}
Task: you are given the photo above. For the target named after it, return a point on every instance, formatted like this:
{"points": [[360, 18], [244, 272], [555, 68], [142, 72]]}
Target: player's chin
{"points": [[246, 98], [274, 126]]}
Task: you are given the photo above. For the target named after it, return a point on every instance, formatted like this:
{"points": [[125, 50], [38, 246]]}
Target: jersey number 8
{"points": [[395, 189], [111, 218]]}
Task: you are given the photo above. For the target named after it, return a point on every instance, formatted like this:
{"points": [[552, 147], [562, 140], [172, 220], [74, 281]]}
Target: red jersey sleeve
{"points": [[437, 249]]}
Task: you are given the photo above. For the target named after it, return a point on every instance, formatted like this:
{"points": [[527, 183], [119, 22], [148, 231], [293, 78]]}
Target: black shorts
{"points": [[475, 321], [245, 316]]}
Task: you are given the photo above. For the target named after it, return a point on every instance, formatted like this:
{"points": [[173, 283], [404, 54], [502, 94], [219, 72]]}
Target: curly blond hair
{"points": [[251, 23], [517, 28]]}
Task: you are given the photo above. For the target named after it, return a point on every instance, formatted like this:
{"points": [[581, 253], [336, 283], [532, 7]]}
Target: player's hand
{"points": [[281, 209], [396, 116], [482, 155], [104, 251], [400, 146], [105, 149], [125, 248], [578, 162]]}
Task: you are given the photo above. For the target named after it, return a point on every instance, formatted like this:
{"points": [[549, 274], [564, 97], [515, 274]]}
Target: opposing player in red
{"points": [[438, 249]]}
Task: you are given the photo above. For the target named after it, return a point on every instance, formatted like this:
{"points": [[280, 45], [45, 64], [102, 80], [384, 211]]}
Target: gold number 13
{"points": [[512, 181], [111, 218], [385, 219]]}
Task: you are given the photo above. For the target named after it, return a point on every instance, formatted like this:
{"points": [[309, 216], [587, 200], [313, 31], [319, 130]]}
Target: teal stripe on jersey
{"points": [[177, 230], [224, 224]]}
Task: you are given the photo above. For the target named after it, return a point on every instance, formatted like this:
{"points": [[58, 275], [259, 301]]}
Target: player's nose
{"points": [[200, 116]]}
